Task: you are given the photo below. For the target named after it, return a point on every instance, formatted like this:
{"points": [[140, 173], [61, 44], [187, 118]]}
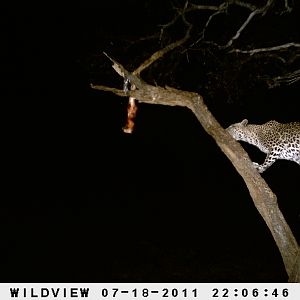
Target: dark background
{"points": [[84, 202]]}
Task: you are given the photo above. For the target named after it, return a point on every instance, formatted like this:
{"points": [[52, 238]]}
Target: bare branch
{"points": [[267, 49], [165, 26], [288, 8], [109, 89], [160, 53], [244, 4], [203, 7], [180, 14], [223, 8], [223, 5], [218, 10], [257, 11], [286, 79]]}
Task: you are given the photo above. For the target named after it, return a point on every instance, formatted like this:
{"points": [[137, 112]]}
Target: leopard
{"points": [[277, 140]]}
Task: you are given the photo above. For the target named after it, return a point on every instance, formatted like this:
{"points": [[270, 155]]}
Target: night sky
{"points": [[85, 202]]}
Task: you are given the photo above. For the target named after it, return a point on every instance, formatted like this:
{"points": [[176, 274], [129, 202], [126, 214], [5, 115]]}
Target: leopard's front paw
{"points": [[258, 167]]}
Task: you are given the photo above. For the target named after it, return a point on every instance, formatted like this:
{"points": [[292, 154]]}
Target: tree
{"points": [[198, 35]]}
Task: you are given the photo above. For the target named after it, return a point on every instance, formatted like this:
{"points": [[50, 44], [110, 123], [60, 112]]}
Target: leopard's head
{"points": [[237, 130]]}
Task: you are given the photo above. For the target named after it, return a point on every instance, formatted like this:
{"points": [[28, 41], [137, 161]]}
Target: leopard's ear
{"points": [[244, 122]]}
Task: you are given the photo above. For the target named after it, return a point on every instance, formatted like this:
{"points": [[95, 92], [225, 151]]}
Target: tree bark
{"points": [[263, 197]]}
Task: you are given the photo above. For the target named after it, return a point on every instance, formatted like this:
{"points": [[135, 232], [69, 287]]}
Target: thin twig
{"points": [[288, 8], [244, 4], [267, 49], [286, 79], [257, 11]]}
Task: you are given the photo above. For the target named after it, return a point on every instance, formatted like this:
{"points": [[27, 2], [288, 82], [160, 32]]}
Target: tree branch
{"points": [[218, 10], [160, 53], [257, 11], [245, 5], [288, 8], [287, 79], [263, 197], [267, 49]]}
